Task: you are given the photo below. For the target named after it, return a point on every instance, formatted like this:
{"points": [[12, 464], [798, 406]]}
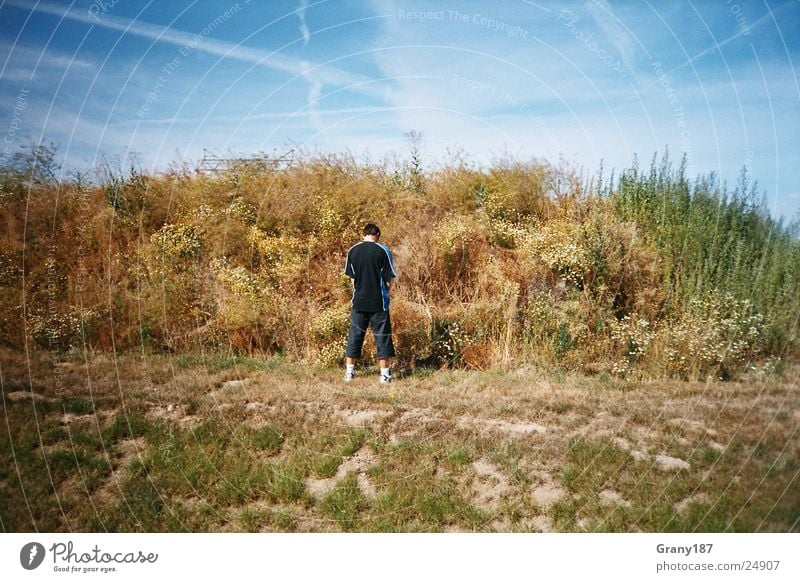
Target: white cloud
{"points": [[616, 32], [314, 93], [29, 55], [24, 63]]}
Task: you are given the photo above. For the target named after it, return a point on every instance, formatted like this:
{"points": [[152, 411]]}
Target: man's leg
{"points": [[381, 325], [355, 341]]}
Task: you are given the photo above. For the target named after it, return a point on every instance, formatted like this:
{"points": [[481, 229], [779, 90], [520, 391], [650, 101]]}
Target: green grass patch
{"points": [[266, 439], [214, 363], [344, 503], [132, 424], [355, 440], [79, 406], [325, 465], [286, 483], [459, 456], [142, 505]]}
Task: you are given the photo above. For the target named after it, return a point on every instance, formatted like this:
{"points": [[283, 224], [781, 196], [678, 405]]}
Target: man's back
{"points": [[370, 265]]}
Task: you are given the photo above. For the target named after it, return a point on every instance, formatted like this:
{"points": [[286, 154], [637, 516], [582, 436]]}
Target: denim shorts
{"points": [[381, 325]]}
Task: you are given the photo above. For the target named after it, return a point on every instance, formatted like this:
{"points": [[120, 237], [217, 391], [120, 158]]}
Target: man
{"points": [[369, 263]]}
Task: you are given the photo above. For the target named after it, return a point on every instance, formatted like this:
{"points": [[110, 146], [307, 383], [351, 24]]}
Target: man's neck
{"points": [[370, 238]]}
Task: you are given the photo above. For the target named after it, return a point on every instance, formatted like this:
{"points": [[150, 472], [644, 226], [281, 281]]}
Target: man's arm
{"points": [[348, 267], [388, 268]]}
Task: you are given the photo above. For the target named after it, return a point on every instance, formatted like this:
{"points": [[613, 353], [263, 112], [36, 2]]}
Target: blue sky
{"points": [[585, 81]]}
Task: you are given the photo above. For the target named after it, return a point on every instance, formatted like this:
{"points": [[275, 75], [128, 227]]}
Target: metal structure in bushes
{"points": [[214, 163]]}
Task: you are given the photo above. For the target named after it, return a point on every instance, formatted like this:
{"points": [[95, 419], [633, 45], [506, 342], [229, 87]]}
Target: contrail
{"points": [[301, 14], [322, 74]]}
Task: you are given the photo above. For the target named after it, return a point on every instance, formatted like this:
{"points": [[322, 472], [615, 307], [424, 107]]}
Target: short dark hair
{"points": [[372, 230]]}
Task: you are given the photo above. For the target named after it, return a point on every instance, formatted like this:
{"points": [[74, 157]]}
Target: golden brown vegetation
{"points": [[520, 264]]}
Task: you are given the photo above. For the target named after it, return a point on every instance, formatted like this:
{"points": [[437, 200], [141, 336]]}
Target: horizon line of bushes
{"points": [[648, 274]]}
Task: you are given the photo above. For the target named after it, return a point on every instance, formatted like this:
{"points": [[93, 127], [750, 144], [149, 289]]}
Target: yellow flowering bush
{"points": [[241, 210], [538, 318], [241, 282], [202, 212], [501, 204], [329, 222], [328, 336], [507, 234], [178, 241], [244, 302], [281, 256]]}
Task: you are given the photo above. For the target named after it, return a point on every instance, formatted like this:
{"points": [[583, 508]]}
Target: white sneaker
{"points": [[386, 378], [349, 376]]}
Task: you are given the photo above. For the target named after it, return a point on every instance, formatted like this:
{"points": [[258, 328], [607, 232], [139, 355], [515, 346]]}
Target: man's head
{"points": [[372, 230]]}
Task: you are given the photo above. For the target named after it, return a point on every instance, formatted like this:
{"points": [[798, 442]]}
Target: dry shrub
{"points": [[538, 319], [453, 190], [447, 338], [582, 277], [330, 223], [62, 331], [500, 203], [411, 332], [238, 209], [482, 332], [416, 261], [461, 244], [177, 242], [250, 340], [623, 271], [492, 313], [478, 356], [508, 235], [347, 200], [572, 332], [560, 327], [248, 311], [516, 191], [558, 244], [285, 199], [224, 230], [163, 283]]}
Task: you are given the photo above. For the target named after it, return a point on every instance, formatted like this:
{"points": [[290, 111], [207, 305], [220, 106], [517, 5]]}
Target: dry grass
{"points": [[156, 443]]}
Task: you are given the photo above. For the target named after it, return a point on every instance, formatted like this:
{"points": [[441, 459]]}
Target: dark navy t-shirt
{"points": [[370, 265]]}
